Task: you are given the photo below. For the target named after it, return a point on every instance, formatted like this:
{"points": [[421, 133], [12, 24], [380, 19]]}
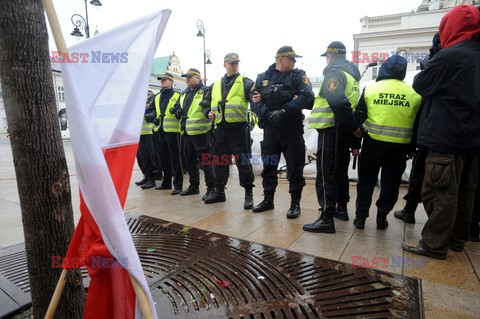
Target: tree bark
{"points": [[38, 155]]}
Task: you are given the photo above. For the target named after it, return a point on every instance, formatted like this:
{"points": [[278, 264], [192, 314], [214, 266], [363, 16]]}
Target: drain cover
{"points": [[198, 274]]}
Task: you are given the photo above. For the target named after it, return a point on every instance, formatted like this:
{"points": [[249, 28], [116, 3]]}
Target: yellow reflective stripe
{"points": [[388, 133], [322, 120], [207, 121], [322, 110], [388, 128]]}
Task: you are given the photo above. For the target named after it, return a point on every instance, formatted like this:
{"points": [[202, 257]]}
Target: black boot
{"points": [[407, 214], [248, 201], [266, 204], [294, 210], [176, 190], [216, 196], [210, 191], [359, 222], [164, 185], [191, 190], [150, 183], [324, 224], [382, 222], [341, 211], [142, 181]]}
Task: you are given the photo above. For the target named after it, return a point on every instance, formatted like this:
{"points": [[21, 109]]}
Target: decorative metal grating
{"points": [[199, 274]]}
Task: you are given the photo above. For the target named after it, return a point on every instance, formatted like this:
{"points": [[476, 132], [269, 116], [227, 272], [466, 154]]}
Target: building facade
{"points": [[408, 34]]}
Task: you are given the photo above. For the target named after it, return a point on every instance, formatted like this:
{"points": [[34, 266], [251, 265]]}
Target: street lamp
{"points": [[82, 23], [206, 53]]}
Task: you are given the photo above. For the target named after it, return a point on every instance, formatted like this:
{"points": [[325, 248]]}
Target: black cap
{"points": [[191, 72], [166, 76], [287, 51], [335, 47]]}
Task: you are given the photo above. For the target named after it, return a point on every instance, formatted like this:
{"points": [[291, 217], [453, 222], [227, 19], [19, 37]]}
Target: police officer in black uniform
{"points": [[228, 108], [278, 98], [146, 147], [194, 144]]}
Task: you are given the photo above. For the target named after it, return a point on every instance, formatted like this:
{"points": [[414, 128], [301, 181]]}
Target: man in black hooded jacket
{"points": [[450, 129]]}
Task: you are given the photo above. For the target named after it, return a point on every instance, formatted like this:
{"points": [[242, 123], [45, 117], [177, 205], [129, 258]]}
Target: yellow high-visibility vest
{"points": [[196, 123], [170, 122], [391, 106], [322, 115], [237, 106]]}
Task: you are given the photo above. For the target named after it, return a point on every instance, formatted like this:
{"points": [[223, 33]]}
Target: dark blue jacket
{"points": [[293, 83]]}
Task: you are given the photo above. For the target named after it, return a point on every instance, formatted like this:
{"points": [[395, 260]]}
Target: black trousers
{"points": [[475, 227], [145, 155], [333, 158], [233, 139], [288, 141], [171, 158], [448, 194], [415, 181], [391, 158], [157, 157], [194, 146]]}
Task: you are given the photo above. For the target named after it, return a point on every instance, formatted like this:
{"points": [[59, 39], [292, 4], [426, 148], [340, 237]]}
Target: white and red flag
{"points": [[105, 91]]}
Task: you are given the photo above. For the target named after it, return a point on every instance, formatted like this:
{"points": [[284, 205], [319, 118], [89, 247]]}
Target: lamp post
{"points": [[82, 23], [206, 53]]}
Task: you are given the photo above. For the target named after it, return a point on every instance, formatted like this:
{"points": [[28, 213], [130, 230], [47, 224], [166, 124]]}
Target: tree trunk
{"points": [[38, 155]]}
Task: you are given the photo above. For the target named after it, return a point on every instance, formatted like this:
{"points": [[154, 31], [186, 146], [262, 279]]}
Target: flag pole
{"points": [[140, 294], [142, 299], [52, 307]]}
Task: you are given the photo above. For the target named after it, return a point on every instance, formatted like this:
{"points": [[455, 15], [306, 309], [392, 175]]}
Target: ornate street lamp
{"points": [[82, 23], [206, 53]]}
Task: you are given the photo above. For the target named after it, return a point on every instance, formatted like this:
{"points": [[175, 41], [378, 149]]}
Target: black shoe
{"points": [[248, 201], [209, 192], [456, 248], [163, 186], [176, 191], [143, 181], [419, 250], [265, 204], [321, 226], [294, 211], [407, 214], [150, 183], [341, 212], [382, 222], [191, 190], [215, 197], [359, 222], [475, 239]]}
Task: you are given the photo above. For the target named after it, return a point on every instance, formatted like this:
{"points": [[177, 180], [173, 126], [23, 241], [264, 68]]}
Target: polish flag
{"points": [[105, 95]]}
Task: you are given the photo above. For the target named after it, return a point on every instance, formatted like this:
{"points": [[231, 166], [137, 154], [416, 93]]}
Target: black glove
{"points": [[275, 117], [156, 121], [178, 114], [149, 117]]}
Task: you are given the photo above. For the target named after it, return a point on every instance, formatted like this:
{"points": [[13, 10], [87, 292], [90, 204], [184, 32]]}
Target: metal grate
{"points": [[198, 274]]}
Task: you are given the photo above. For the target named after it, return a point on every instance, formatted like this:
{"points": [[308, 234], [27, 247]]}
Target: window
{"points": [[61, 94], [374, 72]]}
